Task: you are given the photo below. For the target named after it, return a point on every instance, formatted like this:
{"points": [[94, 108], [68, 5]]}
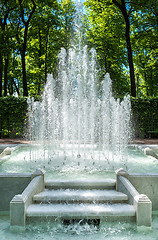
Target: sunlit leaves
{"points": [[107, 34]]}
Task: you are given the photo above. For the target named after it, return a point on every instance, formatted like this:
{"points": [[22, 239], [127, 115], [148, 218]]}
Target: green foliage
{"points": [[44, 34], [145, 117], [106, 32], [145, 35], [13, 116], [51, 28]]}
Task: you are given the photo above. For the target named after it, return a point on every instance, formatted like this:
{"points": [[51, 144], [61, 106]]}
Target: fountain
{"points": [[78, 121], [78, 124]]}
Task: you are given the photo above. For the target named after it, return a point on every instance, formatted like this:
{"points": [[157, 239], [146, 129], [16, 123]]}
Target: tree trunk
{"points": [[10, 88], [13, 82], [1, 73], [6, 75], [2, 25], [130, 59], [23, 51], [123, 9], [46, 55], [151, 87], [147, 87], [39, 65], [25, 90]]}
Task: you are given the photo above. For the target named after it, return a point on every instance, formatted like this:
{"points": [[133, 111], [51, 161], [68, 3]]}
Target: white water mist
{"points": [[75, 124]]}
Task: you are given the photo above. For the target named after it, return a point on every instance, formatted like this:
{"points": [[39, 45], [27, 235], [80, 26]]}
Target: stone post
{"points": [[17, 213], [143, 207]]}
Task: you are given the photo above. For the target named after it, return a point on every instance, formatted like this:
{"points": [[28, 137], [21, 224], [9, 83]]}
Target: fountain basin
{"points": [[26, 158], [22, 206], [142, 183]]}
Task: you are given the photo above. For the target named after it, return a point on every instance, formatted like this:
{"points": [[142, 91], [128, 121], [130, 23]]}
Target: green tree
{"points": [[34, 31], [146, 48], [27, 9], [46, 37], [133, 23], [126, 10], [42, 44], [107, 36], [6, 7]]}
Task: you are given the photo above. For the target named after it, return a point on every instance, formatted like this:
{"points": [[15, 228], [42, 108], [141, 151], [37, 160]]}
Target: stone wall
{"points": [[10, 185], [143, 183], [146, 184]]}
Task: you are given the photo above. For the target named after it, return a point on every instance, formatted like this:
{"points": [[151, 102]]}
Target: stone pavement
{"points": [[146, 141], [13, 141]]}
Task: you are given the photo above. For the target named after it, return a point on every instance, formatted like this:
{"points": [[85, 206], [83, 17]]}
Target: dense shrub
{"points": [[145, 116], [13, 115]]}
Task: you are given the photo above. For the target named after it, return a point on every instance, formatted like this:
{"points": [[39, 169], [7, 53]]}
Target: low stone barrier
{"points": [[140, 196], [20, 202]]}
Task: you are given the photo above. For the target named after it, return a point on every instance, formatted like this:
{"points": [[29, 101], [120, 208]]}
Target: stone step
{"points": [[81, 183], [76, 195], [81, 211]]}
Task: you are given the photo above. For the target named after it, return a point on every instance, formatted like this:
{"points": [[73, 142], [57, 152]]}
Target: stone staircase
{"points": [[81, 199]]}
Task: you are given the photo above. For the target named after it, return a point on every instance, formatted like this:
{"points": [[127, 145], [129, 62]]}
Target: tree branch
{"points": [[33, 10], [22, 11], [117, 3]]}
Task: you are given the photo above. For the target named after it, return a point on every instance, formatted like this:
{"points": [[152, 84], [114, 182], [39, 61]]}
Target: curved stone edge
{"points": [[4, 156], [149, 150]]}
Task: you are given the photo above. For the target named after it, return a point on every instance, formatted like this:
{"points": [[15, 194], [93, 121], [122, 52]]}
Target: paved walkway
{"points": [[146, 141], [23, 141], [13, 141]]}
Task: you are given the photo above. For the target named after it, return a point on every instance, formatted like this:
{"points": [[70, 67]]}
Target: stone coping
{"points": [[24, 141], [7, 151]]}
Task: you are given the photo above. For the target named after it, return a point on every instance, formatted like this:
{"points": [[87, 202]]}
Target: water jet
{"points": [[79, 134]]}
